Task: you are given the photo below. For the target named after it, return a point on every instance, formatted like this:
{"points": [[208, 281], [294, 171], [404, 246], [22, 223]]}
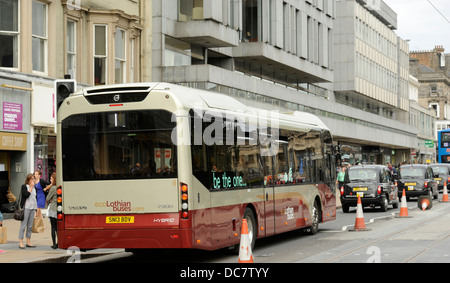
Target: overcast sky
{"points": [[419, 22]]}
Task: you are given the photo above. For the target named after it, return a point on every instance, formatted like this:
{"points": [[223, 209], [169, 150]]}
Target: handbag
{"points": [[19, 212]]}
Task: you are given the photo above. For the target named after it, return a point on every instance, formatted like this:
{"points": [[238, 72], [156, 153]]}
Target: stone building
{"points": [[93, 41], [432, 69]]}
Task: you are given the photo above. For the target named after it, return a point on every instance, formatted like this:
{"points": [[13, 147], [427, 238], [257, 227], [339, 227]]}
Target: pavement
{"points": [[43, 241], [11, 253]]}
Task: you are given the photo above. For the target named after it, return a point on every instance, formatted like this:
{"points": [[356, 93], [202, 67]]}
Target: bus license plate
{"points": [[119, 219]]}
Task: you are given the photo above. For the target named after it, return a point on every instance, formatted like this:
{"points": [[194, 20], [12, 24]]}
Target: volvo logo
{"points": [[116, 98]]}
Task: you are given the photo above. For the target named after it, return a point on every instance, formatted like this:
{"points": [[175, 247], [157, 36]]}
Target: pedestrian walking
{"points": [[340, 177], [51, 212], [29, 203]]}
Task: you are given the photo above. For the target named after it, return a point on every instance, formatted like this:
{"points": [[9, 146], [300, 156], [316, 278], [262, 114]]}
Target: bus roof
{"points": [[217, 101], [444, 130], [191, 98]]}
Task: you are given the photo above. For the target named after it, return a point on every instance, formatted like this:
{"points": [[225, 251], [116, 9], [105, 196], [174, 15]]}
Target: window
{"points": [[189, 10], [39, 36], [301, 159], [232, 160], [119, 145], [237, 158], [71, 49], [435, 106], [9, 33], [100, 54], [433, 90], [120, 61], [250, 21], [132, 61], [180, 53]]}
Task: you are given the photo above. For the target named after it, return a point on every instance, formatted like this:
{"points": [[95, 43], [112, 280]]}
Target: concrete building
{"points": [[340, 60], [95, 41], [371, 74]]}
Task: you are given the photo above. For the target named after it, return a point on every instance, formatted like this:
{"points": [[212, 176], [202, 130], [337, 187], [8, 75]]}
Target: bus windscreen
{"points": [[118, 145]]}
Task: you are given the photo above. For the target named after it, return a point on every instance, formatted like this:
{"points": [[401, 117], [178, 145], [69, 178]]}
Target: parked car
{"points": [[443, 172], [373, 183], [417, 180]]}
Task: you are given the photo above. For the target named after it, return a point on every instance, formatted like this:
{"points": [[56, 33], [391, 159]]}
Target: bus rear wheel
{"points": [[314, 228], [251, 222]]}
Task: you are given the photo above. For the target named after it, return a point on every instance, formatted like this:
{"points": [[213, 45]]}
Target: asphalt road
{"points": [[425, 237]]}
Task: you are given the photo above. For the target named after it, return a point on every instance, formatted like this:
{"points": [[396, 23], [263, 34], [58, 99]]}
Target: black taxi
{"points": [[417, 180], [373, 183], [443, 172]]}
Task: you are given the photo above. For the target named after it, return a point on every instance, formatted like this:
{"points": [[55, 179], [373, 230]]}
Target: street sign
{"points": [[429, 143]]}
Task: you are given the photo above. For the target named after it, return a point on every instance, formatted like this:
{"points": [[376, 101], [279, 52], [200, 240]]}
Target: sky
{"points": [[422, 24]]}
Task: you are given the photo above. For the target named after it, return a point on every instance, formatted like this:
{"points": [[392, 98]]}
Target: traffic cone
{"points": [[445, 195], [359, 222], [425, 203], [245, 249], [403, 207]]}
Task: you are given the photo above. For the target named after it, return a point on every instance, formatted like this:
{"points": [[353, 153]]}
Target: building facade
{"points": [[432, 70], [95, 42], [339, 60]]}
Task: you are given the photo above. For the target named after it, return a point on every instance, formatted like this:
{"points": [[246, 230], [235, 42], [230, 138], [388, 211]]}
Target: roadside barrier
{"points": [[425, 203], [404, 207], [445, 195], [359, 222], [245, 249]]}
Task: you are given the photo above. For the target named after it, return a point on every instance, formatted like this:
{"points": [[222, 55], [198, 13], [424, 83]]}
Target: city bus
{"points": [[163, 166], [444, 146]]}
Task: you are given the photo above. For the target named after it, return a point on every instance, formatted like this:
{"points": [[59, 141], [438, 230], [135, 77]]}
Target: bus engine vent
{"points": [[117, 95]]}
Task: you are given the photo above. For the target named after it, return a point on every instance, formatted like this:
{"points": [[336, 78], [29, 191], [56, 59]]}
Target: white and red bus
{"points": [[157, 165]]}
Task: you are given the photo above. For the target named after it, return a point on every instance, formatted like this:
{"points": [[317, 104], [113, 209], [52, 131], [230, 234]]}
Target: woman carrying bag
{"points": [[51, 212], [29, 203]]}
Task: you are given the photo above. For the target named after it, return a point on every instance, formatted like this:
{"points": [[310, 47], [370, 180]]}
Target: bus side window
{"points": [[249, 168]]}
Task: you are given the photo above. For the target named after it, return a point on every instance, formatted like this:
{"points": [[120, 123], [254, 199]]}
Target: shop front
{"points": [[15, 138], [13, 156]]}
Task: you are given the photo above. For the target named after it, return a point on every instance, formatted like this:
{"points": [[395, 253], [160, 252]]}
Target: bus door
{"points": [[269, 197]]}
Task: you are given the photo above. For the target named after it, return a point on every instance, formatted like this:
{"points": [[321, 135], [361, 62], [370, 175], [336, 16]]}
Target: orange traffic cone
{"points": [[403, 207], [445, 195], [359, 222], [245, 249], [425, 203]]}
